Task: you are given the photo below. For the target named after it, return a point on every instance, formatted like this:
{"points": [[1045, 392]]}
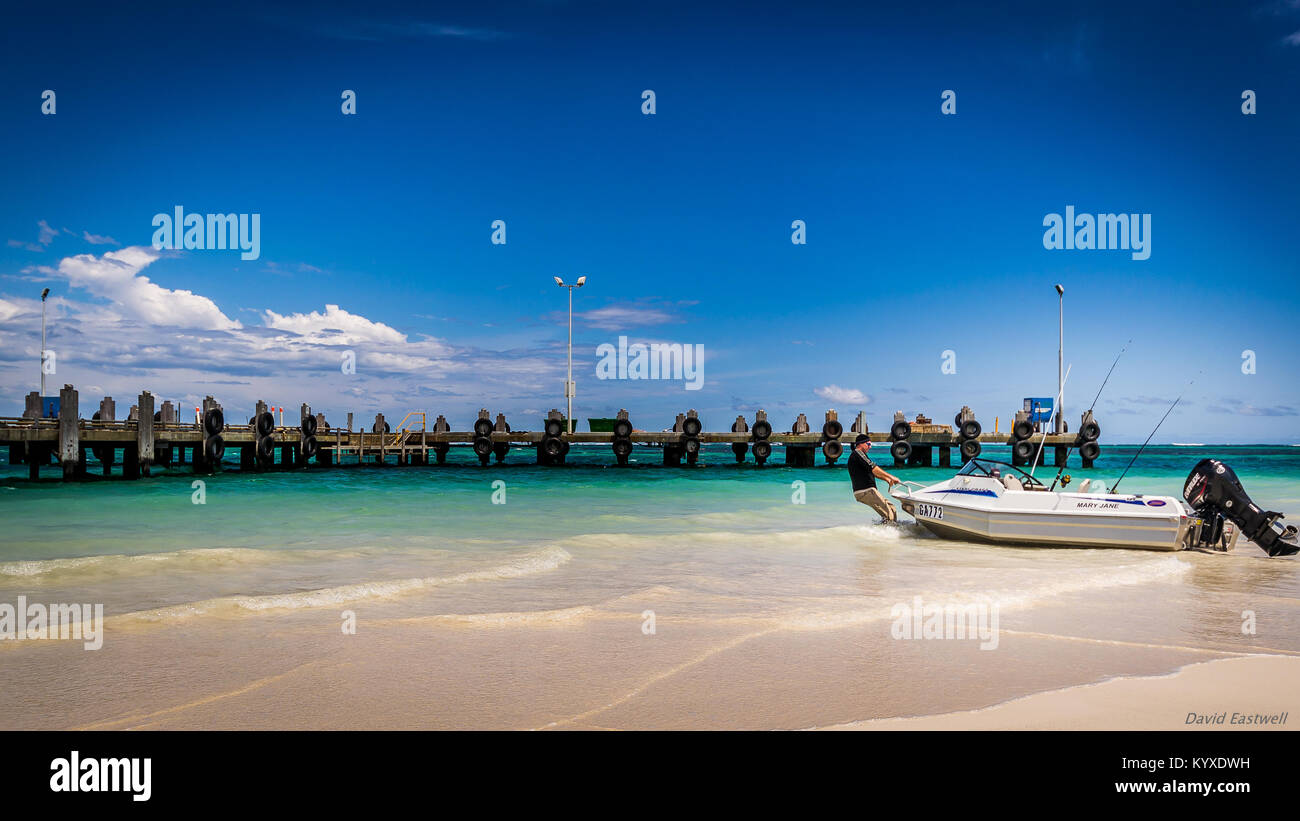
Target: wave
{"points": [[1161, 570], [112, 562], [539, 561]]}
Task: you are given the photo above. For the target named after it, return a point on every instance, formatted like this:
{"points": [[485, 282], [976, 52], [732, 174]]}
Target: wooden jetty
{"points": [[165, 436]]}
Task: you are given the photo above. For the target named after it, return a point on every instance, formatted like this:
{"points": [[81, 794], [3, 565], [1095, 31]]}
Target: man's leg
{"points": [[873, 498]]}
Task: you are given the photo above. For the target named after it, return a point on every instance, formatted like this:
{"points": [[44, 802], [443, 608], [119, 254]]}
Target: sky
{"points": [[923, 283]]}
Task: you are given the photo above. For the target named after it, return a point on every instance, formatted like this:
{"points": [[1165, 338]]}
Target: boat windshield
{"points": [[988, 467]]}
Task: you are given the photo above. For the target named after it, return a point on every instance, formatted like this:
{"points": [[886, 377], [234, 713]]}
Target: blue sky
{"points": [[924, 231]]}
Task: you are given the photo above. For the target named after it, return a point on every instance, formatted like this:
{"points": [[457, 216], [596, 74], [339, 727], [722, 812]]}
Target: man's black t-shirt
{"points": [[861, 471]]}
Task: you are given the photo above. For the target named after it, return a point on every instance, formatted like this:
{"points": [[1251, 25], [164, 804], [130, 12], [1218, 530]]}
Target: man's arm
{"points": [[880, 473]]}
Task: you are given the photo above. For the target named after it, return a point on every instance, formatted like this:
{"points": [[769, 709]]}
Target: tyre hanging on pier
{"points": [[553, 447], [214, 450], [1023, 450], [899, 432], [759, 435], [309, 447], [483, 440], [1022, 429], [970, 449], [213, 446], [1090, 450], [739, 449], [622, 438], [263, 425], [832, 449]]}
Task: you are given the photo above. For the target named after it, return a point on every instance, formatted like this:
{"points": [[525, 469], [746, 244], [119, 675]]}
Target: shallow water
{"points": [[766, 611]]}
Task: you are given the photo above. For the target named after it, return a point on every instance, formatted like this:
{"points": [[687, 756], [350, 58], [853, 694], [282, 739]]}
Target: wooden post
{"points": [[945, 456], [144, 433], [69, 432]]}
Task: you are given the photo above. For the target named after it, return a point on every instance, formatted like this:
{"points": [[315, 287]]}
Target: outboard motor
{"points": [[1214, 492]]}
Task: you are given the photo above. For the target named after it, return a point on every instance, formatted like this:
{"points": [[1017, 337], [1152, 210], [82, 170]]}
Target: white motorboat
{"points": [[995, 502]]}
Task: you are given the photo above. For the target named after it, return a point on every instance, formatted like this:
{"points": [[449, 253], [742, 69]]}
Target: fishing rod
{"points": [[1055, 408], [1066, 460], [1153, 433]]}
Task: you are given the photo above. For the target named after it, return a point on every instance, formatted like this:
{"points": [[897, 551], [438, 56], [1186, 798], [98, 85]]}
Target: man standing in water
{"points": [[863, 473]]}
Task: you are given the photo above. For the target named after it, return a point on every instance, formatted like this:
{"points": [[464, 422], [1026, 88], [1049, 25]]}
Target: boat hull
{"points": [[1050, 530]]}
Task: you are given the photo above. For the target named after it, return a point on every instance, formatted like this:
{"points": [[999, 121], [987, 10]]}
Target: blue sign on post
{"points": [[50, 407], [1039, 408]]}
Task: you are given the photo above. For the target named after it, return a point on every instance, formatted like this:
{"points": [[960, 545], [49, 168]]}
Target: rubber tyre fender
{"points": [[1023, 429], [970, 429], [832, 429], [622, 428], [901, 449], [553, 447], [482, 427], [622, 447], [762, 450], [309, 447], [970, 449], [266, 448], [308, 426], [1090, 450], [265, 423], [1090, 432], [214, 450], [482, 445], [1023, 449], [554, 427], [214, 421], [691, 446], [762, 429], [691, 426], [900, 430], [833, 449]]}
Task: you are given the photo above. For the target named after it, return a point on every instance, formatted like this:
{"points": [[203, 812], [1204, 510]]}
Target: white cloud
{"points": [[845, 396], [47, 233], [621, 317], [115, 276], [1292, 39], [98, 239], [135, 334], [334, 327]]}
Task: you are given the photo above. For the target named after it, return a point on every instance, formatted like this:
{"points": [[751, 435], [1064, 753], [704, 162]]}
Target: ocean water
{"points": [[718, 595]]}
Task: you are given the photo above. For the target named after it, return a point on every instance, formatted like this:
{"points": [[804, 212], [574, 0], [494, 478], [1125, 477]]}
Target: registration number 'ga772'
{"points": [[924, 511]]}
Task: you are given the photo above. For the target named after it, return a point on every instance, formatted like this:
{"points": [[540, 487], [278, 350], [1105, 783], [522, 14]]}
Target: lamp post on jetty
{"points": [[568, 383], [1060, 347], [44, 294]]}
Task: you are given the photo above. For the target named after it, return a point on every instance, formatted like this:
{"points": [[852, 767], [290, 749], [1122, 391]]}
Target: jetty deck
{"points": [[147, 437]]}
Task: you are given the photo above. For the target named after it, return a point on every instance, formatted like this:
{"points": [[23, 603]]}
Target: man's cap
{"points": [[862, 437]]}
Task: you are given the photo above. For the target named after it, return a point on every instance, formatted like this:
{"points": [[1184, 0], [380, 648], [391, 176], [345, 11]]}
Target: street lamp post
{"points": [[1060, 359], [568, 383], [44, 294]]}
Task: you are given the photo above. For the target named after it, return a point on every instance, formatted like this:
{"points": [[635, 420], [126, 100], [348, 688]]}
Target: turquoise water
{"points": [[713, 549]]}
